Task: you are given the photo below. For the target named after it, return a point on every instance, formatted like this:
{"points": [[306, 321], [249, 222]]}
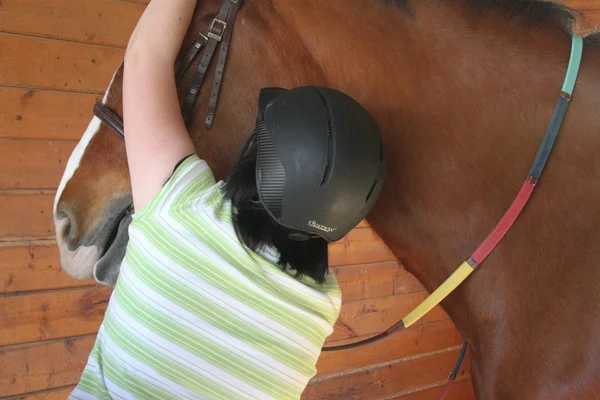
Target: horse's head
{"points": [[93, 205], [92, 202]]}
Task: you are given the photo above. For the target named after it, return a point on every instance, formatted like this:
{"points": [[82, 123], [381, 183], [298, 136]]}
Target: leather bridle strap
{"points": [[219, 31], [215, 34], [190, 56], [108, 116], [223, 52]]}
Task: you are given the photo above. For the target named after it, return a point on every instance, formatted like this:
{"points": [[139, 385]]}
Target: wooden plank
{"points": [[590, 23], [588, 17], [412, 342], [50, 357], [44, 316], [33, 165], [406, 283], [34, 267], [34, 114], [50, 64], [26, 215], [61, 394], [368, 281], [98, 22], [27, 369], [92, 21], [367, 317], [461, 390], [144, 2], [51, 315], [363, 224], [582, 4], [360, 246], [386, 380]]}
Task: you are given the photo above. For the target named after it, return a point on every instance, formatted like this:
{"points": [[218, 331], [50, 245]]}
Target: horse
{"points": [[462, 91]]}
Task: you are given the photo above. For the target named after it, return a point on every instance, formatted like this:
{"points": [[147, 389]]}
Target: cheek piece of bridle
{"points": [[217, 33], [220, 30]]}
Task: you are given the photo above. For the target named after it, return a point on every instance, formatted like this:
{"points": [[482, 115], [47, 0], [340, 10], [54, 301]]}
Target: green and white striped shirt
{"points": [[196, 315]]}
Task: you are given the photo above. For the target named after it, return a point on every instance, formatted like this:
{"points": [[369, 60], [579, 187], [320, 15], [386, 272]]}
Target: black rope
{"points": [[459, 362]]}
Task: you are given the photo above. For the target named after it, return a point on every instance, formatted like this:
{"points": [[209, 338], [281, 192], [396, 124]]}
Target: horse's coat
{"points": [[462, 92]]}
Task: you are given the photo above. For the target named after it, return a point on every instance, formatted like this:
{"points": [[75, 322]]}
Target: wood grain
{"points": [[51, 315], [33, 164], [34, 267], [43, 366], [386, 380], [582, 4], [367, 281], [91, 21], [367, 317], [587, 13], [363, 224], [61, 394], [49, 64], [461, 390], [360, 246], [26, 215], [35, 114], [406, 283], [144, 2], [590, 22], [412, 342]]}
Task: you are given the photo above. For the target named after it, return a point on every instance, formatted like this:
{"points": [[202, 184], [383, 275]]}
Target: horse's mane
{"points": [[535, 12]]}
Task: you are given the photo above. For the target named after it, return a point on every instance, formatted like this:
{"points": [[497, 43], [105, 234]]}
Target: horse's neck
{"points": [[462, 104]]}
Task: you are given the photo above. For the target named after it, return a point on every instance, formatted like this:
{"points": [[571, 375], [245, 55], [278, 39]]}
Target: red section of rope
{"points": [[507, 221]]}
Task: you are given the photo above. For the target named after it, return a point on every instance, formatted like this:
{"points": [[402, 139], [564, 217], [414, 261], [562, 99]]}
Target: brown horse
{"points": [[463, 91]]}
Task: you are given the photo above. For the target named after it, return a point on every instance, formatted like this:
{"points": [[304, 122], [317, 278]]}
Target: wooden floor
{"points": [[57, 57]]}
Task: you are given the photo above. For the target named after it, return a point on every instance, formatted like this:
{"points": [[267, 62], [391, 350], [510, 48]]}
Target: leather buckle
{"points": [[217, 35], [201, 41]]}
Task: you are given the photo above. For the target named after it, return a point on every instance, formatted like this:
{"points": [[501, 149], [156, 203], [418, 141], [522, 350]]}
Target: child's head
{"points": [[310, 172]]}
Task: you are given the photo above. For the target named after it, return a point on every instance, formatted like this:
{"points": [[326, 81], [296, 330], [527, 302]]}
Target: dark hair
{"points": [[256, 229]]}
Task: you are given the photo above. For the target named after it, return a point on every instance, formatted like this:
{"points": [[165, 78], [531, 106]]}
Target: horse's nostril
{"points": [[64, 229]]}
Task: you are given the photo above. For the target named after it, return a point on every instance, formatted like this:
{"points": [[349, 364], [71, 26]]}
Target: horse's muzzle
{"points": [[95, 253]]}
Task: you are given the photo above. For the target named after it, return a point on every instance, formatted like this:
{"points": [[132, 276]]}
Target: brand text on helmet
{"points": [[323, 228]]}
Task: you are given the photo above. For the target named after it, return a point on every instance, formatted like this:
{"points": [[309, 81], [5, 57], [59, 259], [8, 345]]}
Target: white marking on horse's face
{"points": [[78, 263], [75, 158]]}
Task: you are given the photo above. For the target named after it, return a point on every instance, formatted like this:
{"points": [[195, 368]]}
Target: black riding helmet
{"points": [[320, 165]]}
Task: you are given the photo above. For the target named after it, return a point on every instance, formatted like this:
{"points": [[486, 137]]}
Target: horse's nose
{"points": [[77, 260], [66, 229]]}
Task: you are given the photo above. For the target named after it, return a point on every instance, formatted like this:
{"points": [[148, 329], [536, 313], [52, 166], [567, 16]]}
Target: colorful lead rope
{"points": [[509, 218], [454, 372]]}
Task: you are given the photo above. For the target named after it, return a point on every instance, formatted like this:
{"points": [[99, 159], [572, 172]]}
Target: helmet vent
{"points": [[372, 190], [327, 171], [376, 180], [270, 174]]}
